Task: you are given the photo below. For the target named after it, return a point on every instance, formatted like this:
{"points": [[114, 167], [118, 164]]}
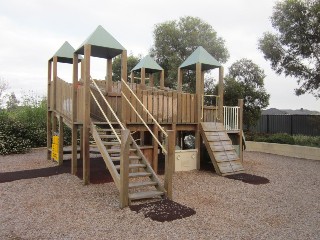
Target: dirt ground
{"points": [[39, 200]]}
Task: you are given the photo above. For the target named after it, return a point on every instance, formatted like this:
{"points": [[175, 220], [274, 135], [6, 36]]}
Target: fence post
{"points": [[124, 168], [169, 163]]}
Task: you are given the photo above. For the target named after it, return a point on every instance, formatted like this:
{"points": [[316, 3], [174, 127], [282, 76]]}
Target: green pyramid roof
{"points": [[103, 45], [200, 55], [65, 53], [150, 65]]}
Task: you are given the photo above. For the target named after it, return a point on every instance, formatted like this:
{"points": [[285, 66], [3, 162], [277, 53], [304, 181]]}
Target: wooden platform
{"points": [[222, 154]]}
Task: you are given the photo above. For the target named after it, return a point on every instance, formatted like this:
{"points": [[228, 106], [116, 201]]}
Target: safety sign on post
{"points": [[55, 148]]}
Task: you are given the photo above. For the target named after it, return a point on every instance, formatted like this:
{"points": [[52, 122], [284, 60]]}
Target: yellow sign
{"points": [[55, 148]]}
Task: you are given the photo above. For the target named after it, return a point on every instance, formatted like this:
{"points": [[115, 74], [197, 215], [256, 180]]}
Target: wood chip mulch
{"points": [[163, 211]]}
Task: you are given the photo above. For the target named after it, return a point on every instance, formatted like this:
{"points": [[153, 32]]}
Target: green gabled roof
{"points": [[150, 65], [65, 54], [103, 45], [200, 55]]}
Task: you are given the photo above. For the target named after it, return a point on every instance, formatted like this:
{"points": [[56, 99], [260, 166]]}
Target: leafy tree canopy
{"points": [[295, 47], [245, 80], [132, 61], [175, 40]]}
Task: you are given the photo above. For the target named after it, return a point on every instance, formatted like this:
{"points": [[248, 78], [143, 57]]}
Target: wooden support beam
{"points": [[180, 74], [109, 75], [123, 87], [55, 75], [220, 93], [143, 78], [151, 80], [49, 113], [155, 144], [174, 129], [198, 111], [162, 80], [61, 135], [74, 130], [169, 163], [240, 104], [124, 168], [86, 115]]}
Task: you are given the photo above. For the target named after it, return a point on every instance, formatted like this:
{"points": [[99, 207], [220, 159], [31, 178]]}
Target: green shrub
{"points": [[12, 136], [282, 138], [311, 141]]}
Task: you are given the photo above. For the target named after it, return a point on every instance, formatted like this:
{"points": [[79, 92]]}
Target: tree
{"points": [[132, 61], [295, 48], [12, 102], [3, 88], [175, 40], [245, 80]]}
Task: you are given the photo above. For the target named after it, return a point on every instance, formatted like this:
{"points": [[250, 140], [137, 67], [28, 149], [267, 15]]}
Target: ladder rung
{"points": [[141, 184], [117, 150], [143, 195], [139, 174], [130, 158], [134, 165]]}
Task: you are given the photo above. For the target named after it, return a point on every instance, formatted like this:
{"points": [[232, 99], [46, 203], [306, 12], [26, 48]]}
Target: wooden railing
{"points": [[169, 147], [64, 101]]}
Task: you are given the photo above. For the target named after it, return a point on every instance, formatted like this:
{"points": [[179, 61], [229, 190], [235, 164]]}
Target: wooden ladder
{"points": [[219, 146], [141, 181]]}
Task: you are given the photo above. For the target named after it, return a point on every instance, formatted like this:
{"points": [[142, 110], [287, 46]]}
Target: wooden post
{"points": [[132, 76], [179, 86], [124, 168], [240, 104], [162, 80], [151, 80], [61, 135], [109, 75], [86, 117], [220, 93], [123, 87], [169, 163], [55, 70], [81, 143], [155, 144], [143, 78], [74, 131], [198, 112], [174, 129], [49, 113]]}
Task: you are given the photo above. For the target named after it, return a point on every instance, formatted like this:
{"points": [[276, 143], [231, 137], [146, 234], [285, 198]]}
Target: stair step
{"points": [[133, 165], [144, 195], [110, 143], [108, 136], [117, 150], [130, 158], [139, 174], [108, 130], [141, 184]]}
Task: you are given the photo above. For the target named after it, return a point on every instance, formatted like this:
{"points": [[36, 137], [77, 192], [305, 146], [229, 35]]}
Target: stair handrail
{"points": [[150, 115], [105, 116]]}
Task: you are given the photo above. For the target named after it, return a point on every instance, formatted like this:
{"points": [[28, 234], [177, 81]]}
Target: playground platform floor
{"points": [[39, 200]]}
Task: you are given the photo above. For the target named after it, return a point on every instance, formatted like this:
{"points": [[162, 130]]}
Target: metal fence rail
{"points": [[291, 124]]}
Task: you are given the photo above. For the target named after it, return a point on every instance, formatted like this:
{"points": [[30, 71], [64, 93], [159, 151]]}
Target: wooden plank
{"points": [[184, 107], [192, 108], [179, 103], [155, 106], [174, 107], [145, 103], [225, 167], [139, 107], [155, 144], [150, 101], [170, 107], [169, 163], [165, 107], [144, 195], [124, 168], [236, 166], [134, 104], [188, 96], [160, 107]]}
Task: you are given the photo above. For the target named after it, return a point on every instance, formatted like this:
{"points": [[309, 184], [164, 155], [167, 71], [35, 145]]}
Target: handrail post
{"points": [[124, 168], [240, 104], [169, 163]]}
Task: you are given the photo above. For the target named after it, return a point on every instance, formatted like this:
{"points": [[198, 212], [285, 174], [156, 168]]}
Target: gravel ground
{"points": [[60, 207]]}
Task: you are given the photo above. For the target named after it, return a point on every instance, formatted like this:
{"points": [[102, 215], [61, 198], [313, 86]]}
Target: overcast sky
{"points": [[33, 30]]}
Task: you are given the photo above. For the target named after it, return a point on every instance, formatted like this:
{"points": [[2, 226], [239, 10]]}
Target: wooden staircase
{"points": [[222, 154], [143, 182]]}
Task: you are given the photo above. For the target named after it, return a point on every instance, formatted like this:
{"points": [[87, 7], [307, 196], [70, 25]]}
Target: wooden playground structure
{"points": [[130, 123]]}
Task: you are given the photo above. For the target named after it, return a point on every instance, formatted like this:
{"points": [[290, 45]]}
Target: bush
{"points": [[12, 136], [311, 141]]}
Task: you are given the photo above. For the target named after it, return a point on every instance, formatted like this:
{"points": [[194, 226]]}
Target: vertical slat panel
{"points": [[188, 108], [150, 101], [184, 107], [145, 103], [192, 106], [170, 107], [160, 106], [179, 113], [174, 107], [165, 107], [155, 106]]}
